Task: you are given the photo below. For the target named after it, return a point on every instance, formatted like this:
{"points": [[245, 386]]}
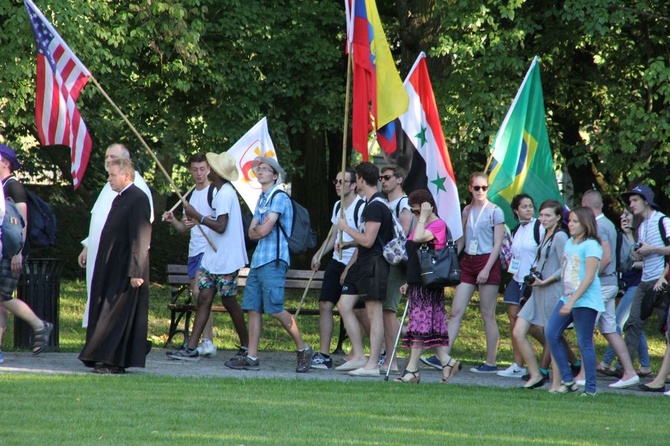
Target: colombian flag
{"points": [[422, 128], [522, 159], [379, 96]]}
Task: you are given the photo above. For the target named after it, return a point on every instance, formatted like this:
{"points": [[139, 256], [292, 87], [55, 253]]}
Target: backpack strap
{"points": [[397, 206], [661, 230], [210, 194], [536, 231]]}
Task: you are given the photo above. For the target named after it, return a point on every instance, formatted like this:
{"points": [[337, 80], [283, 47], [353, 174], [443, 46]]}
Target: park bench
{"points": [[182, 307]]}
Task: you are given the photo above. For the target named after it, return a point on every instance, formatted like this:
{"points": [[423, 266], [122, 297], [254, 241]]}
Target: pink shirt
{"points": [[439, 229]]}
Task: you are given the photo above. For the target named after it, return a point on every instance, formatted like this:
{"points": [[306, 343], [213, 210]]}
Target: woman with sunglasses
{"points": [[483, 229], [581, 300], [427, 326]]}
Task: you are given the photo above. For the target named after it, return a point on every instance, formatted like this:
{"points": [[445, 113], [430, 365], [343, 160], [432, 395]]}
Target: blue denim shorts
{"points": [[264, 291], [194, 264]]}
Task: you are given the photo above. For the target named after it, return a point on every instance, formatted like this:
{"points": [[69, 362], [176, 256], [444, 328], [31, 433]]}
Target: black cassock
{"points": [[117, 327]]}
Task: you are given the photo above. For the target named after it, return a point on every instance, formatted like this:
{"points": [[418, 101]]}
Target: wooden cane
{"points": [[309, 282]]}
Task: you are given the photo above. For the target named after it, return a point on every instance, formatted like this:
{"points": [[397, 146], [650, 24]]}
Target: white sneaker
{"points": [[513, 371], [206, 349]]}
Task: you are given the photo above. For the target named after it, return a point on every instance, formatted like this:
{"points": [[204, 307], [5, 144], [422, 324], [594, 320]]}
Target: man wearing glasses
{"points": [[264, 290], [392, 178], [352, 204]]}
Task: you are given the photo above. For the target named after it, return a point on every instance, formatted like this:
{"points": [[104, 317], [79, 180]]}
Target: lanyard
{"points": [[474, 224]]}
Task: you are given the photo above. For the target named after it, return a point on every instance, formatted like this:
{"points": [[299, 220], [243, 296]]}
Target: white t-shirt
{"points": [[349, 216], [404, 204], [231, 253], [198, 200], [524, 248]]}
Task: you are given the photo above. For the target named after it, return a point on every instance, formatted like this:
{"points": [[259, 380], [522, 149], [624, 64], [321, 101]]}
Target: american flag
{"points": [[60, 78]]}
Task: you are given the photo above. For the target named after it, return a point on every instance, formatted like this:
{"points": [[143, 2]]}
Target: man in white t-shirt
{"points": [[332, 286], [99, 215], [201, 199], [219, 269], [392, 178]]}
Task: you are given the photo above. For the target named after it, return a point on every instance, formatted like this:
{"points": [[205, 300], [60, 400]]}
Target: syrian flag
{"points": [[422, 130], [256, 142]]}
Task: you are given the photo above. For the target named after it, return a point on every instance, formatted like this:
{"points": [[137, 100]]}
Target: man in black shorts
{"points": [[367, 276], [332, 285]]}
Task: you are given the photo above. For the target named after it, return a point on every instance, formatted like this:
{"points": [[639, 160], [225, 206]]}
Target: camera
{"points": [[637, 246], [532, 277]]}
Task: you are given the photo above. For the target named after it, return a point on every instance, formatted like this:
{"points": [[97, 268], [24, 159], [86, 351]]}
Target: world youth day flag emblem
{"points": [[522, 159], [256, 142]]}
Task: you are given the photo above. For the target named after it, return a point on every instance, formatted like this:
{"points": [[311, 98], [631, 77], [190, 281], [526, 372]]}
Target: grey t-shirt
{"points": [[607, 233]]}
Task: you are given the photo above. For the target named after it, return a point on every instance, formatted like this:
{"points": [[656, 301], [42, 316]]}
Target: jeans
{"points": [[633, 328], [584, 320], [622, 312]]}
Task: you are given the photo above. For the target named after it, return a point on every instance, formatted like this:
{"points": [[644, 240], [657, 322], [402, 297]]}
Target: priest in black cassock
{"points": [[116, 336]]}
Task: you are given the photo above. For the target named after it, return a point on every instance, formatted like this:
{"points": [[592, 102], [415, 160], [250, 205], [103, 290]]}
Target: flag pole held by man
{"points": [[522, 159]]}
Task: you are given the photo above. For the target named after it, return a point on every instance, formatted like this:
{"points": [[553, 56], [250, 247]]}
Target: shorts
{"points": [[606, 321], [397, 278], [224, 284], [8, 280], [331, 288], [194, 265], [368, 280], [471, 266], [264, 291], [514, 293]]}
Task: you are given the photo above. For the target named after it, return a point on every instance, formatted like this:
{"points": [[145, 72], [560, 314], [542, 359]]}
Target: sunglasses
{"points": [[385, 177], [478, 188], [416, 211], [336, 182]]}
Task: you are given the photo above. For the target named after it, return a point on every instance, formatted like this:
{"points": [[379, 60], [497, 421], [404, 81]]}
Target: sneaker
{"points": [[304, 360], [243, 363], [432, 361], [184, 354], [382, 359], [2, 358], [513, 371], [484, 368], [241, 352], [321, 362], [206, 349]]}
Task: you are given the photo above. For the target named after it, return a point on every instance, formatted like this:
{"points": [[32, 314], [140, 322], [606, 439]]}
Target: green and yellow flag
{"points": [[522, 159]]}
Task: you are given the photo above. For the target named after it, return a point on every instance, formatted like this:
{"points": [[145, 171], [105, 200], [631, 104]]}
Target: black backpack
{"points": [[359, 204], [303, 237], [41, 220], [536, 231]]}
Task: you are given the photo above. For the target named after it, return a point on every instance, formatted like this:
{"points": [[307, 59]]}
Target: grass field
{"points": [[136, 409]]}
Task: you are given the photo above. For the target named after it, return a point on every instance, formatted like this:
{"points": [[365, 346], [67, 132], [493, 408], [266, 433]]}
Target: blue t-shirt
{"points": [[574, 271]]}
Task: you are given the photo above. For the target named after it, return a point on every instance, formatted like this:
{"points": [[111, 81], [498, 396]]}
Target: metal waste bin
{"points": [[39, 287]]}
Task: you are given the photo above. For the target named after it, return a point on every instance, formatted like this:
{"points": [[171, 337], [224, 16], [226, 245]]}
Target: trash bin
{"points": [[39, 287]]}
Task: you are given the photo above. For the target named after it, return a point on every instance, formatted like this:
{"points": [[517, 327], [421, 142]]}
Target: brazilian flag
{"points": [[522, 158]]}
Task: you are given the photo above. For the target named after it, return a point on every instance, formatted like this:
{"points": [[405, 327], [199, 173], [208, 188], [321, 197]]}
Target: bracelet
{"points": [[202, 219]]}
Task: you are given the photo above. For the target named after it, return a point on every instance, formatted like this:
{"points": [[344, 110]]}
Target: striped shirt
{"points": [[648, 232]]}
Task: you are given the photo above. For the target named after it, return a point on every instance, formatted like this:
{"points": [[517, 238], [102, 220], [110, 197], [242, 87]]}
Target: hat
{"points": [[644, 191], [10, 155], [224, 165], [272, 162]]}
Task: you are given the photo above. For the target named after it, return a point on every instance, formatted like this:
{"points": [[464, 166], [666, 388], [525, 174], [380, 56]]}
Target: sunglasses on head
{"points": [[416, 211], [385, 177], [477, 188]]}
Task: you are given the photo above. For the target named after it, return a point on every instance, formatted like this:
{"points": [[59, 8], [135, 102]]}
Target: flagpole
{"points": [[144, 144], [344, 147]]}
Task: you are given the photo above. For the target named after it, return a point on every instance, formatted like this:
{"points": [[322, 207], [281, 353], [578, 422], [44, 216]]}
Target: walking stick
{"points": [[309, 282], [397, 338], [176, 205]]}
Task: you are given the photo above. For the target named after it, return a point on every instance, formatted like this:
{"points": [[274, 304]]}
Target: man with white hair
{"points": [[99, 215]]}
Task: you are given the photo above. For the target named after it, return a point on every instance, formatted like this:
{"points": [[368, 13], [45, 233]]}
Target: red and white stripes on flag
{"points": [[60, 78], [422, 128]]}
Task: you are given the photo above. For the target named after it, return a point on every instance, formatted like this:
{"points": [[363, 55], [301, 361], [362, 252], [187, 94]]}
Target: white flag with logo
{"points": [[256, 142]]}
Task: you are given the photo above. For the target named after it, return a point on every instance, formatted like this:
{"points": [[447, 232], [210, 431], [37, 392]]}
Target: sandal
{"points": [[567, 388], [454, 367], [41, 338], [409, 377]]}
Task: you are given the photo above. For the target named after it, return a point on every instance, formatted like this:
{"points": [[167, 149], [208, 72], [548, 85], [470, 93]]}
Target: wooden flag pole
{"points": [[309, 282], [345, 135], [179, 202], [144, 144]]}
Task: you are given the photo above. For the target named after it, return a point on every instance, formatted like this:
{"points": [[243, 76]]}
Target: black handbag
{"points": [[439, 267]]}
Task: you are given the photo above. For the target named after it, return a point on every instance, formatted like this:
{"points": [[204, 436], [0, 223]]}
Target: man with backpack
{"points": [[99, 215], [272, 226], [10, 268], [651, 249], [368, 275], [392, 178], [219, 268], [201, 198], [352, 204], [609, 288]]}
